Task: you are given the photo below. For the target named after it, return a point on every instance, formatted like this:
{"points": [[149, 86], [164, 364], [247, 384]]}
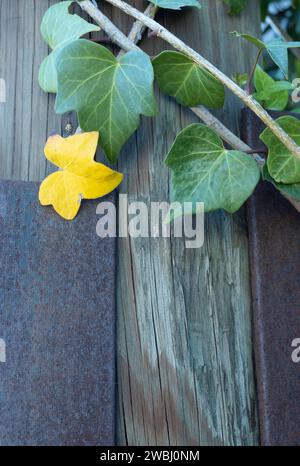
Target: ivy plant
{"points": [[273, 95], [276, 48], [291, 190], [59, 28], [180, 77], [110, 94], [203, 169], [282, 165]]}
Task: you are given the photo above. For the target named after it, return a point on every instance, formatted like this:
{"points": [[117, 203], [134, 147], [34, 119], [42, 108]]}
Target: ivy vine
{"points": [[109, 94]]}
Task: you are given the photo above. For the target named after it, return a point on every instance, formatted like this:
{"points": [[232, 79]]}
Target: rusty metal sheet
{"points": [[57, 320], [274, 233]]}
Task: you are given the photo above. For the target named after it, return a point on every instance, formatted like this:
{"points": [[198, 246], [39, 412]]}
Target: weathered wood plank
{"points": [[28, 117], [184, 342], [185, 356]]}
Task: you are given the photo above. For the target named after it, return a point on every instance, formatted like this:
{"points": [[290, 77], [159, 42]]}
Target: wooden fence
{"points": [[185, 368]]}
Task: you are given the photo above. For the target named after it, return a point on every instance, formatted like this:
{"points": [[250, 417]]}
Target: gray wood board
{"points": [[185, 373], [184, 330]]}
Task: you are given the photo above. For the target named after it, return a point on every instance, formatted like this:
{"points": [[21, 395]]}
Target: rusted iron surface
{"points": [[57, 319], [274, 231]]}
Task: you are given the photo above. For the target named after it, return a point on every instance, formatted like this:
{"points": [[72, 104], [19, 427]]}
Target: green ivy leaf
{"points": [[235, 6], [241, 79], [282, 164], [292, 190], [58, 29], [108, 94], [277, 49], [273, 95], [253, 40], [180, 77], [204, 171], [175, 4]]}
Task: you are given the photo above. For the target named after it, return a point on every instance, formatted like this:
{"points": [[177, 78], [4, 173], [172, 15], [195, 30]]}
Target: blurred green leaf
{"points": [[277, 49], [273, 95], [235, 6]]}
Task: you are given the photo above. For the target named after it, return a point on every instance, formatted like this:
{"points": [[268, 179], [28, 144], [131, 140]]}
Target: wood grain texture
{"points": [[185, 372], [185, 354]]}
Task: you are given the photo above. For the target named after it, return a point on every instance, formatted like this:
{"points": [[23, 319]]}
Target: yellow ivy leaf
{"points": [[79, 177]]}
